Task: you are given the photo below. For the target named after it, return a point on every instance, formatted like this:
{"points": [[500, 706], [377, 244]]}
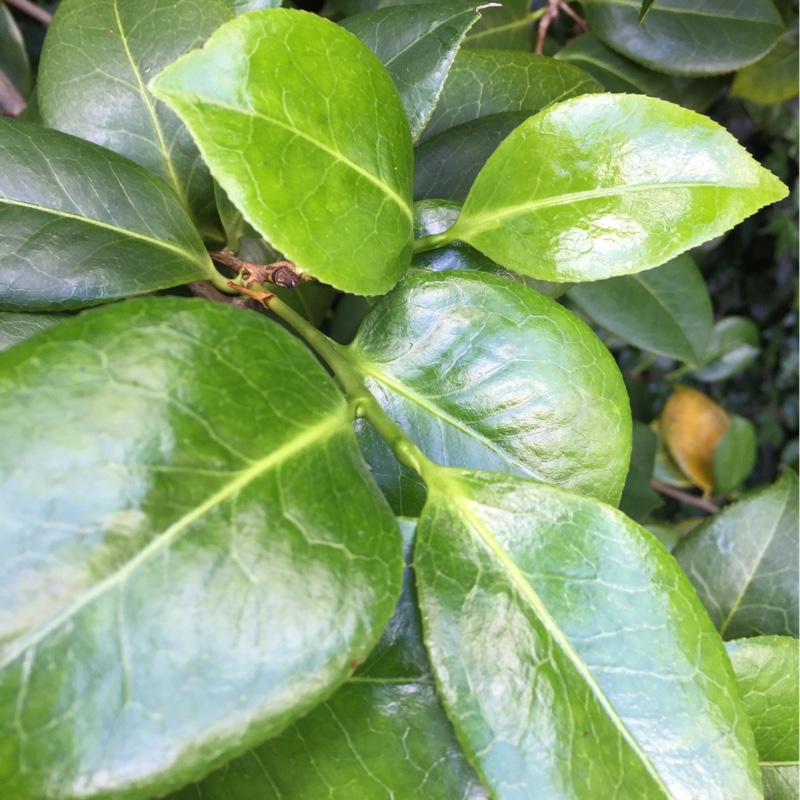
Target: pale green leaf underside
{"points": [[82, 225], [305, 131], [549, 621], [200, 600], [610, 185]]}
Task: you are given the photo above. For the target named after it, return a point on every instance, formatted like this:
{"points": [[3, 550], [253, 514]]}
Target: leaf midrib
{"points": [[528, 19], [110, 227], [321, 430], [477, 223], [421, 38], [519, 582]]}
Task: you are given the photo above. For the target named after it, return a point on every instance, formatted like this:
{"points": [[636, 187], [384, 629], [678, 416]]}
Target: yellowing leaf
{"points": [[691, 425]]}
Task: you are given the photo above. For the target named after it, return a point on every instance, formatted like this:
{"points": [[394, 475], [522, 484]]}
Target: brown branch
{"points": [[550, 16], [684, 497], [206, 291], [32, 10], [281, 273], [12, 103]]}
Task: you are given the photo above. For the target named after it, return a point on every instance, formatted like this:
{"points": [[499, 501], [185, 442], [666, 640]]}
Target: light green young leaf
{"points": [[734, 455], [383, 734], [97, 59], [305, 131], [609, 185], [14, 59], [687, 38], [550, 620], [744, 563], [417, 45], [82, 225], [482, 372], [666, 310], [766, 668], [772, 79], [484, 82], [171, 593]]}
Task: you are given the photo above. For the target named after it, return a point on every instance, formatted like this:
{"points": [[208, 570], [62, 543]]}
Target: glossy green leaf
{"points": [[645, 9], [436, 216], [485, 373], [14, 59], [550, 623], [665, 310], [306, 132], [81, 224], [619, 74], [684, 37], [506, 25], [638, 498], [16, 327], [484, 82], [171, 591], [610, 185], [733, 346], [446, 165], [417, 45], [734, 455], [772, 79], [97, 59], [244, 6], [382, 735], [743, 563]]}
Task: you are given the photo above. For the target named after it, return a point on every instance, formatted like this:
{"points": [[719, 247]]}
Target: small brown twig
{"points": [[551, 15], [684, 497], [12, 103], [261, 297], [281, 273], [32, 10], [206, 291]]}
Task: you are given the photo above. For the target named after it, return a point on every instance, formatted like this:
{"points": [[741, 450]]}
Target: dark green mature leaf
{"points": [[550, 622], [743, 563], [97, 59], [484, 82], [638, 498], [243, 6], [81, 224], [16, 328], [645, 9], [769, 680], [306, 132], [733, 346], [619, 74], [485, 373], [446, 165], [610, 185], [666, 310], [734, 455], [684, 37], [382, 735], [172, 591], [506, 25], [417, 45], [774, 78], [14, 59]]}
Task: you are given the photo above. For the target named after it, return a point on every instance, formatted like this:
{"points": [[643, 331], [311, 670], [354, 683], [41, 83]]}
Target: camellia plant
{"points": [[206, 525]]}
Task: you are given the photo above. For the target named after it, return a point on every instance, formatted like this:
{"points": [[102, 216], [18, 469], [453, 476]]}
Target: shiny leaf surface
{"points": [[550, 622], [666, 310], [485, 373], [733, 346], [16, 328], [638, 498], [417, 45], [383, 735], [684, 37], [613, 185], [106, 51], [199, 598], [506, 25], [305, 131], [691, 425], [767, 670], [14, 59], [734, 455], [743, 563], [484, 82], [772, 79], [619, 74], [82, 225], [243, 6]]}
